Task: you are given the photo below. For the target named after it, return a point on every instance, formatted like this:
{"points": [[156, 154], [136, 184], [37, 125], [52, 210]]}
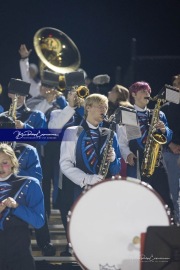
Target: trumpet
{"points": [[82, 91]]}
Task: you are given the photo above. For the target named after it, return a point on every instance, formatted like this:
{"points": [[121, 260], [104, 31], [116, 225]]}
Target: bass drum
{"points": [[106, 222]]}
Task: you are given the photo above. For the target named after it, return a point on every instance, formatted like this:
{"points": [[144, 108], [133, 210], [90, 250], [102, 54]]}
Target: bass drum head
{"points": [[106, 222]]}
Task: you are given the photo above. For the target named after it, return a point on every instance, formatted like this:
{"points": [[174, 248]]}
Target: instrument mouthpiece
{"points": [[104, 116]]}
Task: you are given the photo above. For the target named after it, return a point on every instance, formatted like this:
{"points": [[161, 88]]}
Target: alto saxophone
{"points": [[104, 166], [152, 151]]}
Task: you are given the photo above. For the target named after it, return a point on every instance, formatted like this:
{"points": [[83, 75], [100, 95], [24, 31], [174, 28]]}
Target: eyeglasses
{"points": [[101, 107]]}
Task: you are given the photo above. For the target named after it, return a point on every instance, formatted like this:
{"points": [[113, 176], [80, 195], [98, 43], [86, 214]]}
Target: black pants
{"points": [[159, 179], [65, 199], [15, 249], [50, 168], [42, 234]]}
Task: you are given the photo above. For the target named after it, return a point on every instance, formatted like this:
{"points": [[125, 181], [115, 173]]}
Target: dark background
{"points": [[103, 31]]}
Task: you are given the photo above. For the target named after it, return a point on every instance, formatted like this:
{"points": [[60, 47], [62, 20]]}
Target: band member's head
{"points": [[8, 161], [119, 95], [20, 99], [176, 81], [139, 92], [49, 85], [96, 107], [18, 90]]}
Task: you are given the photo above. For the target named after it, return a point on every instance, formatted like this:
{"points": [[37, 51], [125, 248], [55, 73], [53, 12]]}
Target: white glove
{"points": [[91, 179], [111, 154]]}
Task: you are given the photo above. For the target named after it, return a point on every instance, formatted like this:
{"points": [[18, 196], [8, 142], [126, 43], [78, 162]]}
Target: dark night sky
{"points": [[101, 29]]}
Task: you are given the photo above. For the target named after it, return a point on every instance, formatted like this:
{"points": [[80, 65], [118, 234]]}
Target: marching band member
{"points": [[53, 100], [171, 152], [71, 114], [25, 118], [29, 119], [60, 119], [21, 204], [82, 149], [140, 94]]}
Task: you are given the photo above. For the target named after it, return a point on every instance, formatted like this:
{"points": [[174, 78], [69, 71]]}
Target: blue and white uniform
{"points": [[15, 238]]}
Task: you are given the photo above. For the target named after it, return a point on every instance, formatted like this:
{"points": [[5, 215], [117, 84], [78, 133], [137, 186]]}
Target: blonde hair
{"points": [[94, 98], [6, 149]]}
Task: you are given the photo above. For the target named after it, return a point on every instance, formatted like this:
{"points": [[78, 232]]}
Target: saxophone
{"points": [[104, 166], [13, 107], [152, 151]]}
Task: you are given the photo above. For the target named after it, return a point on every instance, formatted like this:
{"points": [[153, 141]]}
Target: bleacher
{"points": [[58, 238]]}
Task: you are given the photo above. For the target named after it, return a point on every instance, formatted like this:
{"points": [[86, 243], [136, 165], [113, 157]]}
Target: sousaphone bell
{"points": [[57, 52]]}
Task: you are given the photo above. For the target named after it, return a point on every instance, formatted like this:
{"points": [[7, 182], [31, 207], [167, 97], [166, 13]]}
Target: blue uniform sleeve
{"points": [[37, 120], [80, 111], [1, 109], [32, 211], [62, 102], [115, 166], [30, 163]]}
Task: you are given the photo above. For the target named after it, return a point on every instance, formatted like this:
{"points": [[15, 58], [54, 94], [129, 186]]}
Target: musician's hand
{"points": [[58, 93], [91, 179], [23, 51], [10, 202], [72, 99], [80, 102], [19, 124], [161, 126], [130, 159], [52, 94], [111, 154]]}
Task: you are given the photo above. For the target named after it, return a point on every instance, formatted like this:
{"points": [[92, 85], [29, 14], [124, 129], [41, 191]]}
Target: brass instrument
{"points": [[82, 91], [1, 89], [57, 52], [152, 151], [104, 166], [13, 107]]}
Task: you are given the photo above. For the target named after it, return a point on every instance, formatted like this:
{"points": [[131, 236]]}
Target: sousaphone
{"points": [[56, 51]]}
